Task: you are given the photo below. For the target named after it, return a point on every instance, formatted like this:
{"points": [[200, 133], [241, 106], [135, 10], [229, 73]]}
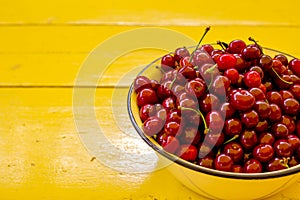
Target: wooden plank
{"points": [[42, 156], [53, 55], [156, 12]]}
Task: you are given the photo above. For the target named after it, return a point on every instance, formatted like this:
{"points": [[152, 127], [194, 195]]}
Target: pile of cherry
{"points": [[232, 108]]}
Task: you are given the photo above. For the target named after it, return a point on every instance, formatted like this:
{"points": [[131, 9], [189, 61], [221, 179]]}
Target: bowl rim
{"points": [[192, 166]]}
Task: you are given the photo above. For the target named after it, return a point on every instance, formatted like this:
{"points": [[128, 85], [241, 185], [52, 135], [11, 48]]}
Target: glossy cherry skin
{"points": [[174, 115], [170, 143], [235, 151], [209, 102], [283, 148], [232, 74], [298, 128], [258, 70], [276, 164], [233, 127], [167, 62], [263, 152], [173, 128], [295, 90], [196, 88], [220, 85], [279, 130], [190, 135], [215, 121], [250, 119], [205, 150], [289, 123], [274, 97], [252, 166], [227, 110], [250, 53], [240, 63], [181, 53], [201, 58], [242, 100], [152, 126], [266, 63], [294, 65], [146, 111], [187, 152], [140, 83], [214, 139], [262, 126], [223, 162], [291, 106], [252, 79], [188, 72], [263, 109], [169, 104], [226, 61], [146, 96], [282, 58], [266, 138], [236, 46], [207, 162], [275, 113], [294, 141], [286, 94], [258, 94], [248, 139], [207, 48]]}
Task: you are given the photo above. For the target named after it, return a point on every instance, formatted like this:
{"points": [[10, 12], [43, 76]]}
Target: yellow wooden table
{"points": [[43, 46]]}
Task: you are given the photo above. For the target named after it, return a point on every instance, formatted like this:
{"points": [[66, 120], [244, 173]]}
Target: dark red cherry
{"points": [[298, 128], [237, 169], [252, 166], [187, 152], [196, 88], [215, 139], [236, 46], [188, 72], [223, 162], [275, 113], [289, 123], [251, 52], [140, 83], [169, 104], [276, 164], [295, 90], [252, 79], [290, 106], [294, 65], [282, 58], [283, 148], [170, 144], [145, 111], [181, 53], [190, 135], [232, 127], [262, 126], [205, 150], [167, 62], [174, 115], [242, 100], [226, 61], [201, 58], [259, 70], [263, 152], [232, 74], [258, 94], [279, 130], [207, 162], [185, 62], [286, 94], [209, 102], [293, 161], [146, 96], [152, 126], [173, 128], [266, 63], [240, 63], [207, 48], [274, 97], [250, 119], [227, 110], [235, 151], [248, 139], [263, 109], [220, 85], [215, 121], [294, 141], [266, 138]]}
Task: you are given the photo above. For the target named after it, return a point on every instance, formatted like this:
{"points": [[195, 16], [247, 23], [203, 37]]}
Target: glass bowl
{"points": [[207, 182]]}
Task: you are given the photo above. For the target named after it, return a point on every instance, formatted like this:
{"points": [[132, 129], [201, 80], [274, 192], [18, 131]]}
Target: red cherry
{"points": [[276, 164], [170, 144], [283, 148], [242, 100], [232, 74], [249, 119], [223, 162], [232, 127], [181, 53], [236, 46], [146, 96], [140, 83], [252, 166], [263, 152], [152, 126], [235, 151], [226, 61], [295, 90], [187, 152], [190, 135], [252, 79], [266, 138], [294, 65], [196, 88], [167, 62]]}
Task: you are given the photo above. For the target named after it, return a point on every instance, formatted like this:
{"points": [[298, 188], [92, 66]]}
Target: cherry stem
{"points": [[231, 139], [287, 82], [173, 81], [206, 30], [221, 44], [211, 81], [199, 113], [255, 42], [211, 69], [161, 69]]}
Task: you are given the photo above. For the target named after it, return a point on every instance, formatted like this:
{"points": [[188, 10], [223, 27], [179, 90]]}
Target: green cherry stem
{"points": [[287, 82], [211, 69], [173, 81], [206, 30], [199, 113], [231, 139]]}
